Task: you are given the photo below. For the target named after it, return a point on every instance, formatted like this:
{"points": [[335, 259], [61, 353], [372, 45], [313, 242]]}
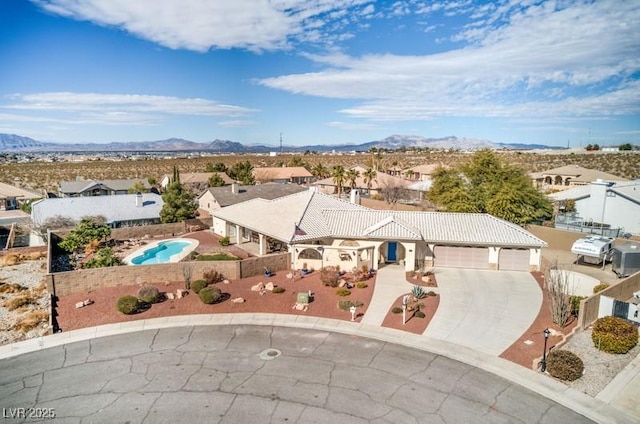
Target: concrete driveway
{"points": [[484, 310]]}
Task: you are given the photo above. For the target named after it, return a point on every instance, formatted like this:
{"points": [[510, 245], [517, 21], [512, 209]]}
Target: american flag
{"points": [[299, 231]]}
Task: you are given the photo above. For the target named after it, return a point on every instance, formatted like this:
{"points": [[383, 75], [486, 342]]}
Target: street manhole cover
{"points": [[269, 354]]}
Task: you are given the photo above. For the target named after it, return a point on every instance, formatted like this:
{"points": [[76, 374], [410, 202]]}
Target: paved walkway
{"points": [[484, 310], [391, 283], [209, 368]]}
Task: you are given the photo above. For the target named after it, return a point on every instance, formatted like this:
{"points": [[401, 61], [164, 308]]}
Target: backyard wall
{"points": [[85, 280], [623, 290], [557, 239]]}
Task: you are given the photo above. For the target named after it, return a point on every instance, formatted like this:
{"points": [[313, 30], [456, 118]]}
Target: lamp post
{"points": [[546, 334], [321, 250]]}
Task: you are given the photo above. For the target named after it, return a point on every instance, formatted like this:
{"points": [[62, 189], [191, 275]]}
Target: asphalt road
{"points": [[245, 374]]}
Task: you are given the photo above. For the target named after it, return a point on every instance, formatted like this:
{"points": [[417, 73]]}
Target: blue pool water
{"points": [[161, 253]]}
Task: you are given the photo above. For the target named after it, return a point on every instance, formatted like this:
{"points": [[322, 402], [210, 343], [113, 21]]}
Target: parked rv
{"points": [[594, 250]]}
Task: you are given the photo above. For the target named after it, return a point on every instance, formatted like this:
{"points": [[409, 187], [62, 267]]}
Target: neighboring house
{"points": [[195, 181], [284, 174], [219, 197], [11, 197], [616, 204], [80, 187], [320, 230], [394, 170], [127, 210], [382, 180], [420, 172], [570, 175]]}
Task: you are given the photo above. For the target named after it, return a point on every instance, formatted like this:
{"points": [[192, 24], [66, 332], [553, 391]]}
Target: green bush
{"points": [[600, 287], [210, 295], [278, 290], [564, 365], [362, 285], [575, 304], [224, 241], [345, 305], [396, 310], [127, 304], [431, 293], [198, 285], [419, 314], [343, 292], [217, 257], [212, 276], [149, 294], [614, 335]]}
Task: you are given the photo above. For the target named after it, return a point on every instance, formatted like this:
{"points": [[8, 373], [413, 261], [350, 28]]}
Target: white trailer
{"points": [[594, 250]]}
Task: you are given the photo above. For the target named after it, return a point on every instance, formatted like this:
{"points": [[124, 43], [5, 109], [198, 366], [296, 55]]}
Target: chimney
{"points": [[234, 188], [139, 202], [354, 197]]}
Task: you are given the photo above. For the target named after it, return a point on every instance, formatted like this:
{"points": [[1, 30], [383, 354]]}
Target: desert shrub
{"points": [[614, 335], [575, 304], [212, 276], [32, 320], [343, 291], [104, 257], [217, 257], [18, 302], [198, 285], [329, 276], [564, 365], [418, 292], [345, 305], [600, 287], [362, 285], [224, 241], [149, 294], [396, 310], [431, 293], [278, 290], [127, 304], [11, 288], [419, 314], [210, 295]]}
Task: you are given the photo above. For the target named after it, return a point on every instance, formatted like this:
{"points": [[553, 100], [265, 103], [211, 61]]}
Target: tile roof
{"points": [[280, 173], [270, 191], [319, 215], [202, 177], [425, 169], [579, 174], [114, 208], [573, 193], [7, 190], [382, 180], [78, 186], [631, 190]]}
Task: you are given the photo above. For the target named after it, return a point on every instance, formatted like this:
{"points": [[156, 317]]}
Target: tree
{"points": [[596, 147], [152, 181], [392, 192], [338, 173], [179, 204], [243, 172], [216, 167], [589, 147], [103, 257], [625, 147], [88, 230], [369, 176], [216, 180], [320, 171], [487, 185], [137, 187], [297, 161], [351, 175]]}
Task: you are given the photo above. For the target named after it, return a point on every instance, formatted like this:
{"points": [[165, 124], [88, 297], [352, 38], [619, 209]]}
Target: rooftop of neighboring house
{"points": [[7, 190], [81, 185], [126, 207], [630, 190], [280, 173], [380, 181], [424, 169], [225, 196], [200, 177], [577, 174], [310, 215]]}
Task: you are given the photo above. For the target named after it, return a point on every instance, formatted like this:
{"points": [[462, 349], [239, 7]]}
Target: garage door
{"points": [[514, 259], [461, 257]]}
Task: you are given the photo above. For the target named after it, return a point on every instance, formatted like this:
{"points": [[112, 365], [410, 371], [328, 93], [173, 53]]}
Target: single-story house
{"points": [[219, 197], [420, 172], [127, 210], [382, 180], [320, 230], [11, 197], [569, 175], [616, 204], [196, 181], [82, 187], [283, 174]]}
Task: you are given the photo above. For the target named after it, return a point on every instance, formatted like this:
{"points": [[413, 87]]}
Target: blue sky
{"points": [[325, 72]]}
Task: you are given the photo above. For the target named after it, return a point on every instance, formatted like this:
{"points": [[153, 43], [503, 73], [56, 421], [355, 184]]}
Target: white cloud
{"points": [[350, 126], [204, 24], [569, 59], [236, 124]]}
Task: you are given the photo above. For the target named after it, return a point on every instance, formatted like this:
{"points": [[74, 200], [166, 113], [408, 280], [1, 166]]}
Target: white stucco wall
{"points": [[618, 212], [220, 227]]}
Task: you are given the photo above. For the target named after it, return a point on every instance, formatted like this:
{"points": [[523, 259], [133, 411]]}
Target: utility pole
{"points": [[280, 143]]}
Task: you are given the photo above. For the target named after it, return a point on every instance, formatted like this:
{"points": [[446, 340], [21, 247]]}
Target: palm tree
{"points": [[351, 175], [320, 171], [369, 177], [409, 173], [338, 173]]}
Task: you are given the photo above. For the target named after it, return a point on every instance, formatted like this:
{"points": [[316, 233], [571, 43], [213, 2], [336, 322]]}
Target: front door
{"points": [[391, 251]]}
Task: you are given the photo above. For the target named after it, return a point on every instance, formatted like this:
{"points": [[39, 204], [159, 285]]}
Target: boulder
{"points": [[238, 300], [169, 296], [258, 287], [269, 286], [226, 282]]}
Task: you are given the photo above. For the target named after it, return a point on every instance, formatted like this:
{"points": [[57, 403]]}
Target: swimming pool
{"points": [[162, 252]]}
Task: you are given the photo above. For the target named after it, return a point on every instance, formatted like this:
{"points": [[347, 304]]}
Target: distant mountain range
{"points": [[12, 143]]}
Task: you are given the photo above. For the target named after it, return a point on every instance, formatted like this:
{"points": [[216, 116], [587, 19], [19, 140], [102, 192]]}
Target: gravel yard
{"points": [[599, 367], [24, 282]]}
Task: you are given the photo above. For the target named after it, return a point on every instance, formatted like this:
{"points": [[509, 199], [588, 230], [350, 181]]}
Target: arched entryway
{"points": [[392, 252]]}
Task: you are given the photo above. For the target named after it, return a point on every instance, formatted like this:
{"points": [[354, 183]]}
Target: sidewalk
{"points": [[391, 283]]}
